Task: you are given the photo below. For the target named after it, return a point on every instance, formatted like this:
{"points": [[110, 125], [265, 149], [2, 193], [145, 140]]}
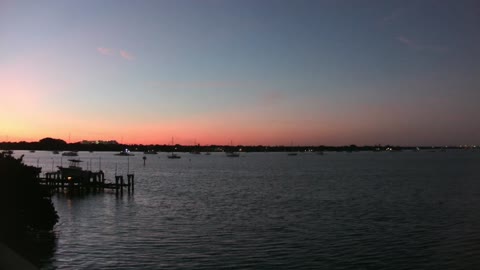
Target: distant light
{"points": [[69, 178]]}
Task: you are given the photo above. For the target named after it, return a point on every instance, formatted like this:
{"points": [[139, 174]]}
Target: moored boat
{"points": [[73, 171], [232, 154], [125, 152], [70, 154], [174, 156]]}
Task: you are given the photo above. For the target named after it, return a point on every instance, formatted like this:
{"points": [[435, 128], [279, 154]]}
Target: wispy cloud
{"points": [[126, 55], [106, 51], [419, 46], [201, 85], [408, 42], [396, 14], [115, 52]]}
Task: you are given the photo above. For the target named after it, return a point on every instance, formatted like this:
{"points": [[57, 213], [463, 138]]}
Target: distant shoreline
{"points": [[213, 148]]}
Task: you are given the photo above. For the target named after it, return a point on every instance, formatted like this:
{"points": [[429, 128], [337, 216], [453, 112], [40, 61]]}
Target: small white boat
{"points": [[125, 152], [232, 154]]}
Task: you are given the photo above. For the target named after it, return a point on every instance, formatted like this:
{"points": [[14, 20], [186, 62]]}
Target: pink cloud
{"points": [[202, 84], [407, 42], [114, 52], [126, 55], [106, 51]]}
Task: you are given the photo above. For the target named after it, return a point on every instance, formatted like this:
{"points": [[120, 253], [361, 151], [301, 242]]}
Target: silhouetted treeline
{"points": [[50, 144], [27, 212]]}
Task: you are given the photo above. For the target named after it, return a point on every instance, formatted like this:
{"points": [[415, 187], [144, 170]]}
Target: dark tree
{"points": [[52, 144], [25, 206]]}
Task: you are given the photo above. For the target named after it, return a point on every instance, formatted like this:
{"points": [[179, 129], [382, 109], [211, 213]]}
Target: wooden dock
{"points": [[86, 180]]}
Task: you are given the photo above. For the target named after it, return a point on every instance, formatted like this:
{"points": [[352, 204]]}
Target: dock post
{"points": [[116, 181], [119, 183], [47, 178], [57, 180], [131, 181], [102, 178]]}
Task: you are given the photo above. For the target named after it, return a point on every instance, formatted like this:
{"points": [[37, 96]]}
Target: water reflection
{"points": [[38, 248]]}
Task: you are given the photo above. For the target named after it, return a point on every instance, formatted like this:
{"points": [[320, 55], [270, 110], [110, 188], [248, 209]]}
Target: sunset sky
{"points": [[329, 72]]}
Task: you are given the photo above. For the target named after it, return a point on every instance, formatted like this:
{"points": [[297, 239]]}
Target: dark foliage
{"points": [[24, 205], [52, 144]]}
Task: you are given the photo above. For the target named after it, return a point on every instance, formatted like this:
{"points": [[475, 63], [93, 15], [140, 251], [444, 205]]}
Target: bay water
{"points": [[364, 210]]}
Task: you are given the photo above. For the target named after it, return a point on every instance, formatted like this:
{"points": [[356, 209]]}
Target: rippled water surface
{"points": [[407, 210]]}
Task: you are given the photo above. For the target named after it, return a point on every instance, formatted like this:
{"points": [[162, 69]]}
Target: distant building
{"points": [[99, 142]]}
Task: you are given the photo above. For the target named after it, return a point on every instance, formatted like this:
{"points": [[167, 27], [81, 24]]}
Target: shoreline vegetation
{"points": [[50, 144], [27, 212]]}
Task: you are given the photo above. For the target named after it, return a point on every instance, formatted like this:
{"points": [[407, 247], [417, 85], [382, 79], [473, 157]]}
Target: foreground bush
{"points": [[25, 207]]}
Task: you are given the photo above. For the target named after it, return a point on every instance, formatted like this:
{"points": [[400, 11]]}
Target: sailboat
{"points": [[291, 153], [232, 153], [195, 148], [172, 154]]}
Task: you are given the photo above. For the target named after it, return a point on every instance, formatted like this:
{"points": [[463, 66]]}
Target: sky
{"points": [[320, 72]]}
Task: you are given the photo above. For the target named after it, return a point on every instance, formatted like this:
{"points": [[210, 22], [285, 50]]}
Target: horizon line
{"points": [[252, 145]]}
